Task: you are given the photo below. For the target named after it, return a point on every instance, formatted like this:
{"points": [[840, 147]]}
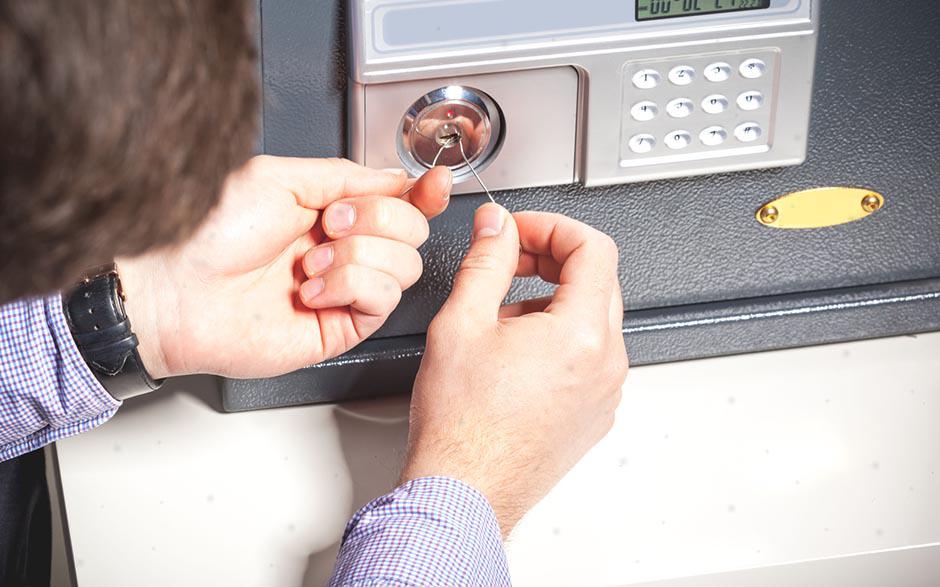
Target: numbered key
{"points": [[678, 139], [748, 132], [715, 104], [713, 136], [750, 100], [718, 72], [644, 111], [641, 143], [646, 79], [752, 68], [680, 108], [681, 75]]}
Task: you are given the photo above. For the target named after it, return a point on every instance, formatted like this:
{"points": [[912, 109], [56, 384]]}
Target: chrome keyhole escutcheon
{"points": [[440, 122]]}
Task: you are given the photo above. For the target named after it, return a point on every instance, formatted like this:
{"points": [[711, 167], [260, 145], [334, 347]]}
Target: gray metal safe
{"points": [[675, 124]]}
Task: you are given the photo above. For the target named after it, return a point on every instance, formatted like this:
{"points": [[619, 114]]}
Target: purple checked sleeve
{"points": [[432, 531], [47, 392]]}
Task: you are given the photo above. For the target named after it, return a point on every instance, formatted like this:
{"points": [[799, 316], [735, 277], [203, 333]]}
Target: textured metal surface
{"points": [[688, 241], [382, 367], [304, 76]]}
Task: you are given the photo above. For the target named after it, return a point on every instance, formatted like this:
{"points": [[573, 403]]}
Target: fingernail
{"points": [[311, 288], [340, 217], [488, 221], [319, 259], [394, 170]]}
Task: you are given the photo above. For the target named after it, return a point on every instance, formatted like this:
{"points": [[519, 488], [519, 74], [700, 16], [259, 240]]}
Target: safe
{"points": [[768, 168]]}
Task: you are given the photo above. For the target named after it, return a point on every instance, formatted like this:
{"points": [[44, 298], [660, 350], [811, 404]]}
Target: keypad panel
{"points": [[697, 107]]}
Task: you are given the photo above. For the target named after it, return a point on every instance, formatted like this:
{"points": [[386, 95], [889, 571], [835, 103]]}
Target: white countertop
{"points": [[714, 465]]}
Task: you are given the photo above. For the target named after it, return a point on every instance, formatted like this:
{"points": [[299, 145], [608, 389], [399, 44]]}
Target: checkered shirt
{"points": [[429, 532], [47, 392]]}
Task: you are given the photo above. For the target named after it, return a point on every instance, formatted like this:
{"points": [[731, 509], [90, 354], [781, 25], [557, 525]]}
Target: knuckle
{"points": [[416, 268], [588, 343], [616, 396], [382, 215], [258, 165], [619, 374], [337, 162], [355, 249], [392, 290], [614, 372], [345, 277], [260, 160], [608, 247], [423, 230], [337, 168], [623, 368], [334, 181], [480, 261]]}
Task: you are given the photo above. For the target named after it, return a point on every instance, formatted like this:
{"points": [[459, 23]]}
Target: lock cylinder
{"points": [[451, 126]]}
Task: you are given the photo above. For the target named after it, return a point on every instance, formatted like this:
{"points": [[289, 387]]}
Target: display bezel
{"points": [[636, 12]]}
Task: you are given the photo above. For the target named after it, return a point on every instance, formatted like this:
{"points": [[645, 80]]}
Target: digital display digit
{"points": [[653, 9]]}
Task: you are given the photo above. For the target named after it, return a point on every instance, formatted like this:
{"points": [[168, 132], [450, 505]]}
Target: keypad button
{"points": [[718, 72], [644, 111], [680, 108], [715, 104], [681, 75], [752, 68], [748, 132], [646, 79], [678, 139], [750, 100], [713, 136], [641, 143]]}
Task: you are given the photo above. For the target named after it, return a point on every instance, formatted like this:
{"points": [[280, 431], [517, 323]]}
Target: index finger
{"points": [[316, 183], [588, 260]]}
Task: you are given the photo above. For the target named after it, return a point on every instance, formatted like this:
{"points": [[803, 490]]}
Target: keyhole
{"points": [[448, 135]]}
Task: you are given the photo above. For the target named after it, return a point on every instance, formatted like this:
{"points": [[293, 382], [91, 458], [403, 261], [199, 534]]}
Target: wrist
{"points": [[141, 305], [505, 507]]}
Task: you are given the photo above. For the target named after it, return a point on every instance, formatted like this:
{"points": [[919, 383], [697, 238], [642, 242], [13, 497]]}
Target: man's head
{"points": [[120, 120]]}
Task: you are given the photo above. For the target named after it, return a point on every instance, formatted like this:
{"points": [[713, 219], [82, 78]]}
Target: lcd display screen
{"points": [[653, 9]]}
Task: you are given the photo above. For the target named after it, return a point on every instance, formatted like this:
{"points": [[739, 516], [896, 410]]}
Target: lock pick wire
{"points": [[474, 171], [465, 160], [433, 164]]}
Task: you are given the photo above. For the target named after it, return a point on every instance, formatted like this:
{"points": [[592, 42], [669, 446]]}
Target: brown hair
{"points": [[119, 120]]}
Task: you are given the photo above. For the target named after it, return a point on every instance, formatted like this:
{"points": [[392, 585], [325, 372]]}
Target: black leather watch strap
{"points": [[95, 314]]}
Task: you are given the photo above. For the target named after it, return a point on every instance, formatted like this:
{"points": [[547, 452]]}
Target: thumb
{"points": [[487, 270]]}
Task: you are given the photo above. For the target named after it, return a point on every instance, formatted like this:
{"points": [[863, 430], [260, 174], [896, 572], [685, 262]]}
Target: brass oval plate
{"points": [[820, 207]]}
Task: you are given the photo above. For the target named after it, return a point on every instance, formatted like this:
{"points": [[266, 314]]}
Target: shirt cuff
{"points": [[49, 392], [428, 531]]}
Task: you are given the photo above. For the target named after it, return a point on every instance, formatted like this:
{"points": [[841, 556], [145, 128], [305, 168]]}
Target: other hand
{"points": [[301, 261], [508, 399]]}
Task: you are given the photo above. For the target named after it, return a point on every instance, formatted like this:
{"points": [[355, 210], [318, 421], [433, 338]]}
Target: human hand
{"points": [[301, 261], [509, 399]]}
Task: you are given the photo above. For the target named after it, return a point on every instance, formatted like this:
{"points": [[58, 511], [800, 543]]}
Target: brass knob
{"points": [[769, 214], [870, 203]]}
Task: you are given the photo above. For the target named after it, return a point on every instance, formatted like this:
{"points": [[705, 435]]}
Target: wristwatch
{"points": [[94, 310]]}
